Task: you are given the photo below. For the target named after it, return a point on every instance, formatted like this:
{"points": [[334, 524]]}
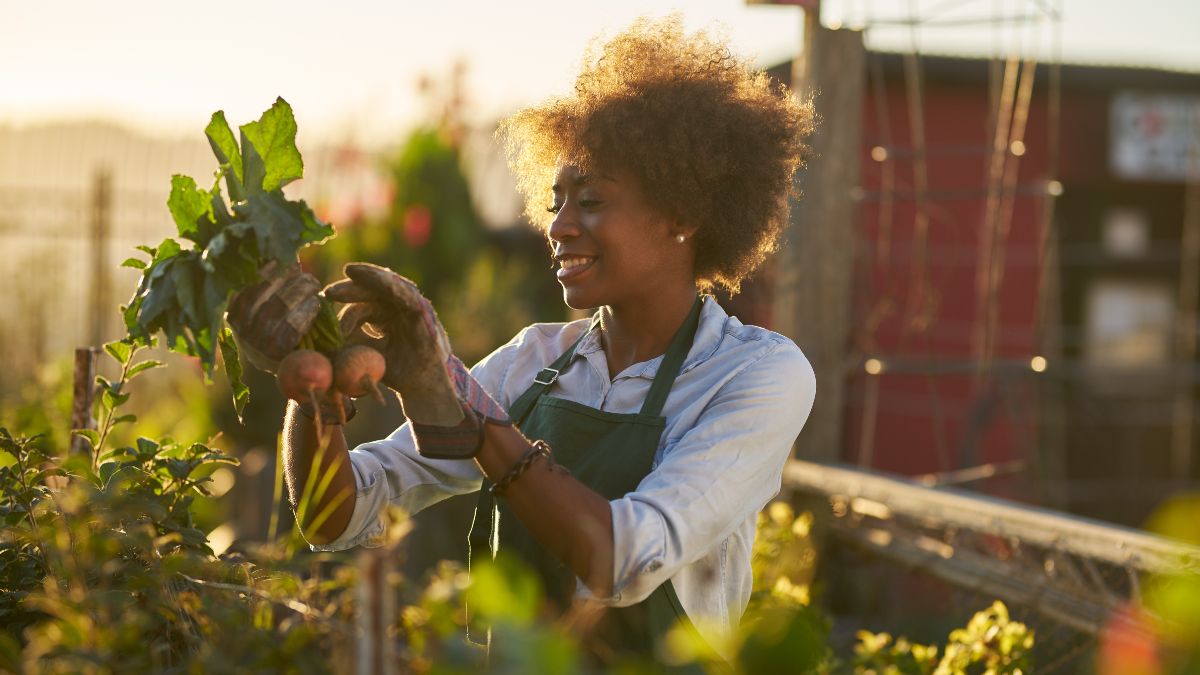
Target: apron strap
{"points": [[672, 362], [546, 376]]}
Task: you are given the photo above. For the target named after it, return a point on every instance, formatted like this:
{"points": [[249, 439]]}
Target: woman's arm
{"points": [[322, 514], [566, 517]]}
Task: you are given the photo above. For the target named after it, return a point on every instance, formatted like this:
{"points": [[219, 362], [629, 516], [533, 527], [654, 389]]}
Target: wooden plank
{"points": [[1069, 606], [949, 508]]}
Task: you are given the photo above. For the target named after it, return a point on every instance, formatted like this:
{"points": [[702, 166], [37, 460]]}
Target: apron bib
{"points": [[610, 453]]}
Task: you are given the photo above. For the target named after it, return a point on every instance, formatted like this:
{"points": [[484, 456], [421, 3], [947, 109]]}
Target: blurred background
{"points": [[995, 269]]}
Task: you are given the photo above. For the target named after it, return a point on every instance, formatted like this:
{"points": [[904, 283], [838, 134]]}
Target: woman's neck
{"points": [[636, 332]]}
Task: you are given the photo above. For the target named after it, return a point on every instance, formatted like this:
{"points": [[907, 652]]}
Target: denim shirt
{"points": [[738, 404]]}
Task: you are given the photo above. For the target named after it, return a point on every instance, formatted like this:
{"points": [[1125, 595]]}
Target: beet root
{"points": [[357, 371], [303, 375]]}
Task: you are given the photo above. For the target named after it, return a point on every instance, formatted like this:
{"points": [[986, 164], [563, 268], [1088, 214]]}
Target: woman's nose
{"points": [[565, 224]]}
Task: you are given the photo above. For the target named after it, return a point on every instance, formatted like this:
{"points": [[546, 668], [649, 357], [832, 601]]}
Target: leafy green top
{"points": [[183, 292]]}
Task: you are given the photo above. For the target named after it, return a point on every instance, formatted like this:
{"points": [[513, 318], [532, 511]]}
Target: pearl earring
{"points": [[680, 238]]}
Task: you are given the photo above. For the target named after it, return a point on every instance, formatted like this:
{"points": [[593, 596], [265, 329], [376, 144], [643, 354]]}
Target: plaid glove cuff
{"points": [[457, 442], [473, 394]]}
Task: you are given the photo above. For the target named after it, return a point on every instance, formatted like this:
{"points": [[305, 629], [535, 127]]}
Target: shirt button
{"points": [[654, 566]]}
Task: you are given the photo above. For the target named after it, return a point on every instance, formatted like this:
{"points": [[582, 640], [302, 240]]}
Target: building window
{"points": [[1128, 327]]}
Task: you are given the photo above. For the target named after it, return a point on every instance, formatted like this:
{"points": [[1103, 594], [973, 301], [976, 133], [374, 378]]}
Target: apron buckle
{"points": [[546, 376]]}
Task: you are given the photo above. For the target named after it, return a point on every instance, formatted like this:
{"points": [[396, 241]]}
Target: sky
{"points": [[351, 67]]}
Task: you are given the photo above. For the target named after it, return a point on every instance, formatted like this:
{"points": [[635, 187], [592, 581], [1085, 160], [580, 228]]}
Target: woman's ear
{"points": [[682, 230]]}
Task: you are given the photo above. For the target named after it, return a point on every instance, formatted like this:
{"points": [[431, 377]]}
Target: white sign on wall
{"points": [[1154, 136]]}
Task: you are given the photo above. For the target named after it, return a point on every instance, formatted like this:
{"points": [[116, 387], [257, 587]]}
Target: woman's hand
{"points": [[388, 312], [269, 318]]}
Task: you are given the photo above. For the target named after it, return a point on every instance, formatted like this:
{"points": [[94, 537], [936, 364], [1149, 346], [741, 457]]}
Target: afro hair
{"points": [[712, 143]]}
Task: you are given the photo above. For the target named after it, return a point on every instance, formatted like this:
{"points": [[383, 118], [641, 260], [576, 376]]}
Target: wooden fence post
{"points": [[376, 610], [100, 307], [84, 394], [814, 268]]}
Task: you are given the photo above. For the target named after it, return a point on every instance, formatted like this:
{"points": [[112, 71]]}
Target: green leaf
{"points": [[111, 401], [119, 350], [6, 459], [135, 263], [146, 448], [206, 349], [232, 256], [139, 367], [159, 298], [129, 314], [92, 436], [107, 470], [169, 248], [125, 419], [225, 147], [179, 468], [219, 211], [255, 167], [269, 148], [504, 591], [233, 370], [315, 231], [192, 210], [277, 223], [187, 276]]}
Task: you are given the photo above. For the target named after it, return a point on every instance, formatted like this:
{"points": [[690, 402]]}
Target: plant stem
{"points": [[111, 413], [20, 456]]}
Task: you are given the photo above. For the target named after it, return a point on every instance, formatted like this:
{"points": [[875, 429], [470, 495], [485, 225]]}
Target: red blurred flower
{"points": [[418, 224]]}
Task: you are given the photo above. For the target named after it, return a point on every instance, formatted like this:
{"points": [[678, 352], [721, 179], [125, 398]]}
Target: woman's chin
{"points": [[575, 298]]}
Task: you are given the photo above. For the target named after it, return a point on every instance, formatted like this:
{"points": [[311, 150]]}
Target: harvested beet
{"points": [[357, 371], [303, 373], [303, 376]]}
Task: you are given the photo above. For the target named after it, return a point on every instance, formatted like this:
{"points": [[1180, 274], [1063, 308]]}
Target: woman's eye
{"points": [[590, 203]]}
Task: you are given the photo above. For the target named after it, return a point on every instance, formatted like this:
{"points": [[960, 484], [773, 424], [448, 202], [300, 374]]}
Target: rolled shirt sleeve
{"points": [[391, 471], [719, 473]]}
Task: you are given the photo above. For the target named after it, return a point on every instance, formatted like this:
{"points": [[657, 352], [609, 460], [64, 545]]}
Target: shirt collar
{"points": [[709, 331]]}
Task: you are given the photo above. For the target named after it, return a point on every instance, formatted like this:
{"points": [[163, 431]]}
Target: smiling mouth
{"points": [[572, 266]]}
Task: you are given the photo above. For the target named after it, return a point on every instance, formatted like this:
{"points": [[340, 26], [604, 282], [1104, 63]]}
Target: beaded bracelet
{"points": [[538, 449]]}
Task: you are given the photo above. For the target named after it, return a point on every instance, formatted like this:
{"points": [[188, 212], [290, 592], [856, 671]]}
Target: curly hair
{"points": [[708, 138]]}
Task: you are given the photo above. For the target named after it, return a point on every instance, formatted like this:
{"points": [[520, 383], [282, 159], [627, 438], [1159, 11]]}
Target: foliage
{"points": [[42, 402], [110, 572], [780, 627], [105, 569], [990, 644], [183, 291], [880, 653], [785, 558]]}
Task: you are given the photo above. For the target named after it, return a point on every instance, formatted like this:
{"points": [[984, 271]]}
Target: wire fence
{"points": [[1067, 577]]}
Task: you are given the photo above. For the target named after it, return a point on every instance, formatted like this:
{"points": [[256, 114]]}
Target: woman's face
{"points": [[610, 246]]}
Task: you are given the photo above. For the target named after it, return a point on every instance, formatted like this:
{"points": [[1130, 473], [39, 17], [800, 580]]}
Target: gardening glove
{"points": [[439, 395], [269, 318]]}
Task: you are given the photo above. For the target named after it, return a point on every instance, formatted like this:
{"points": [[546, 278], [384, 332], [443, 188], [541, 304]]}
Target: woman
{"points": [[629, 453]]}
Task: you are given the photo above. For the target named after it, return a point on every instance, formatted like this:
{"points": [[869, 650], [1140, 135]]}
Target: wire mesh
{"points": [[945, 553]]}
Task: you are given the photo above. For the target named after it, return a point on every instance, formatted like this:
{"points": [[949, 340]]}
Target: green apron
{"points": [[608, 452]]}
